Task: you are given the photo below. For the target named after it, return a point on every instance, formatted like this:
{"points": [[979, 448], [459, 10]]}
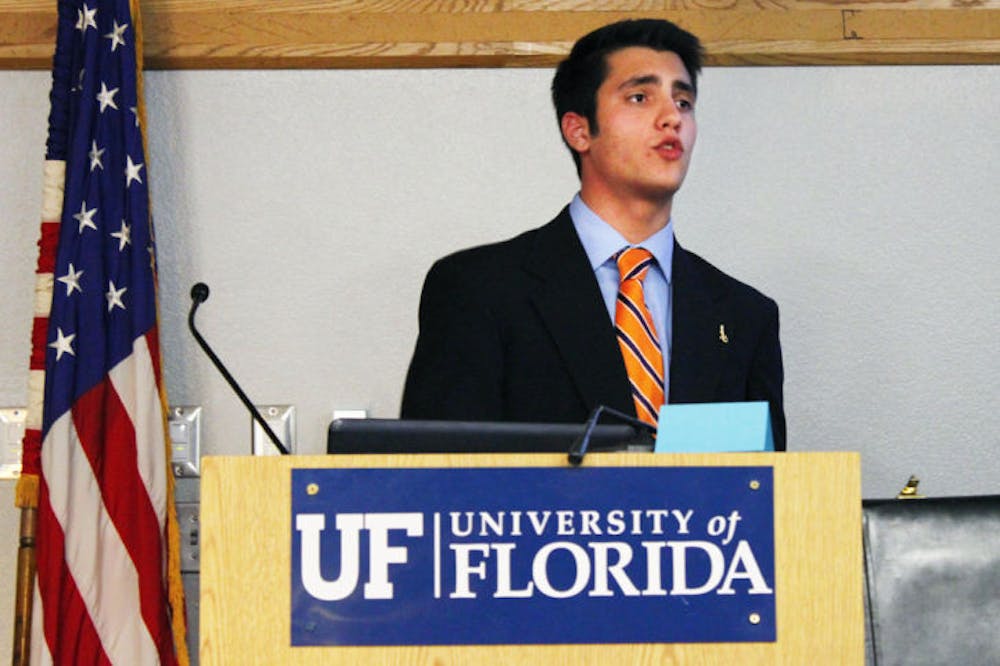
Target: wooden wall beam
{"points": [[251, 34]]}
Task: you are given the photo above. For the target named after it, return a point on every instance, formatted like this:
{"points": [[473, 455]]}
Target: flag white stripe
{"points": [[95, 555], [43, 293], [53, 182], [134, 380], [36, 396]]}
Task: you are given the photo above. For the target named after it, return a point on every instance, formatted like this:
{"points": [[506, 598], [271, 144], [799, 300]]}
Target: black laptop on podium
{"points": [[405, 436]]}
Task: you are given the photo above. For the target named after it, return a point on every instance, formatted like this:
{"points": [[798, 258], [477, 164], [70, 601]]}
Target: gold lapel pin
{"points": [[722, 334]]}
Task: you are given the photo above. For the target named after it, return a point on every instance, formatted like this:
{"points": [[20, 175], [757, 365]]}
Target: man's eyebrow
{"points": [[683, 86], [641, 80], [654, 79]]}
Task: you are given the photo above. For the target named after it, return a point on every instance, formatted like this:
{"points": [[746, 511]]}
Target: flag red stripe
{"points": [[69, 630], [108, 438], [39, 343], [48, 240], [153, 342], [31, 452]]}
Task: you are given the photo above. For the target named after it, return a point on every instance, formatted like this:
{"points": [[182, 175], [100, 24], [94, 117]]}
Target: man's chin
{"points": [[661, 191]]}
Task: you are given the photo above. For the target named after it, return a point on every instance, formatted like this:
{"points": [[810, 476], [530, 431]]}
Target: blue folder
{"points": [[715, 427]]}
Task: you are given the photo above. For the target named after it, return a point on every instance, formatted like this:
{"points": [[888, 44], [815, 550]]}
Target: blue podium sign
{"points": [[532, 555]]}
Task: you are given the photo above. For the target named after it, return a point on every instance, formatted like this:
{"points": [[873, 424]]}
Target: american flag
{"points": [[108, 583]]}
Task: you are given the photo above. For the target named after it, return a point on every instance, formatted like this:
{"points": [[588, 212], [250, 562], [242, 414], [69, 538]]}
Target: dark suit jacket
{"points": [[518, 331]]}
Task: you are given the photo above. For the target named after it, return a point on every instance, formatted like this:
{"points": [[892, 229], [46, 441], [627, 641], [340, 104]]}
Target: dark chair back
{"points": [[932, 577]]}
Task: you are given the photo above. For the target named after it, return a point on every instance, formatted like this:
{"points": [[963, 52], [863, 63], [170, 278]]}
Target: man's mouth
{"points": [[671, 149]]}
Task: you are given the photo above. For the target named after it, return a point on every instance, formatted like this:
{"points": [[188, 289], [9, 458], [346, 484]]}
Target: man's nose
{"points": [[670, 115]]}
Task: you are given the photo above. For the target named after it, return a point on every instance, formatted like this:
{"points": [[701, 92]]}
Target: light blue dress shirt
{"points": [[602, 242]]}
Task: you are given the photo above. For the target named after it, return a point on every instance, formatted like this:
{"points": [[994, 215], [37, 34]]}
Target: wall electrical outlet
{"points": [[281, 419], [12, 424]]}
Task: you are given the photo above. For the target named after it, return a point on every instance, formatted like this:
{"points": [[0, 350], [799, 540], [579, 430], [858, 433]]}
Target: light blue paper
{"points": [[716, 427]]}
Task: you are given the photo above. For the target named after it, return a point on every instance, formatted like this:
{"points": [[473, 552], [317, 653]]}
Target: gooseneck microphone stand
{"points": [[199, 294], [579, 448]]}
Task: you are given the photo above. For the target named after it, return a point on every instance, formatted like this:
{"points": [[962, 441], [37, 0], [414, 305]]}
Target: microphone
{"points": [[199, 294], [579, 448]]}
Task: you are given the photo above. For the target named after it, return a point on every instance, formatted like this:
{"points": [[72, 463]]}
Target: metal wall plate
{"points": [[350, 414], [12, 423], [185, 440], [192, 602], [281, 419], [187, 522]]}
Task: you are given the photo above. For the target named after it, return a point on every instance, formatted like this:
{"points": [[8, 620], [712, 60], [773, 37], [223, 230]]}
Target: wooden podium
{"points": [[245, 571]]}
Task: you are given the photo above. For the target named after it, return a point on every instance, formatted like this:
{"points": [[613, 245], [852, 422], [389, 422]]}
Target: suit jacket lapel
{"points": [[697, 354], [570, 305]]}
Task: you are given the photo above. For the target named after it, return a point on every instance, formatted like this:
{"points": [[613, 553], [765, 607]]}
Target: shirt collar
{"points": [[601, 241]]}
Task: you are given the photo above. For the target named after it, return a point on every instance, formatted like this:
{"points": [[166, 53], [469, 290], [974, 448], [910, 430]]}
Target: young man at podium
{"points": [[601, 305]]}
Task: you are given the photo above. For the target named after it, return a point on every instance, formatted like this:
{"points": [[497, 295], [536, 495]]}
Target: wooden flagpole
{"points": [[24, 592]]}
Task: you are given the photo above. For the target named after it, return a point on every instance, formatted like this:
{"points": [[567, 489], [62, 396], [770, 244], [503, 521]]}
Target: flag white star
{"points": [[85, 217], [71, 280], [124, 236], [95, 156], [85, 18], [107, 97], [131, 171], [116, 35], [135, 111], [114, 296], [63, 344]]}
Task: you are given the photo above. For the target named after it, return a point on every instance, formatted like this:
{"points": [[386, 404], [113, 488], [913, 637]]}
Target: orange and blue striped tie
{"points": [[637, 335]]}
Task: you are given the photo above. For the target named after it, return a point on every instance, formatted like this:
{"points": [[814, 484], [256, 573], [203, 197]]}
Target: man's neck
{"points": [[635, 218]]}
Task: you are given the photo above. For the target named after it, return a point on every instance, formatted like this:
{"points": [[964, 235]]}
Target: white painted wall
{"points": [[865, 200]]}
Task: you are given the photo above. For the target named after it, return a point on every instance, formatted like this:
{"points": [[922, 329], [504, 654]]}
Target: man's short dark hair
{"points": [[574, 87]]}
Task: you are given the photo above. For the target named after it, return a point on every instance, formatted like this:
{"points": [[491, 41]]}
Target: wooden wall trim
{"points": [[251, 34]]}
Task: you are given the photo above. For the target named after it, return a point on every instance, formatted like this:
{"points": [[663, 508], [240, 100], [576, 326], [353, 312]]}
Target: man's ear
{"points": [[575, 131]]}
